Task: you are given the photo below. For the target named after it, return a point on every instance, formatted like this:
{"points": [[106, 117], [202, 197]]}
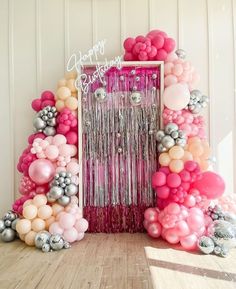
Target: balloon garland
{"points": [[184, 187], [47, 215]]}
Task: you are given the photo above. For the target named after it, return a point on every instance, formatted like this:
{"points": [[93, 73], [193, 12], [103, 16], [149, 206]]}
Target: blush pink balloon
{"points": [[182, 229], [67, 221], [70, 235], [55, 228], [80, 236], [176, 96], [41, 171], [154, 230], [195, 222], [189, 242], [81, 225]]}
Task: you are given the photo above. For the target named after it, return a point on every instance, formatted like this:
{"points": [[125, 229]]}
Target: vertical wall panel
{"points": [[6, 145], [24, 74], [221, 75], [80, 25], [52, 42]]}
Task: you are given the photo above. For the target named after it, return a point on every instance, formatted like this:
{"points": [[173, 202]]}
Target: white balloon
{"points": [[176, 96]]}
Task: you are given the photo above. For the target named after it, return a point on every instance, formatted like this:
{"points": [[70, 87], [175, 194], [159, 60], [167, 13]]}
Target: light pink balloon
{"points": [[41, 171], [59, 139], [70, 235], [55, 229], [151, 215], [81, 225], [67, 221], [73, 168], [80, 236], [189, 242], [182, 229], [195, 222], [176, 97], [170, 80], [51, 152]]}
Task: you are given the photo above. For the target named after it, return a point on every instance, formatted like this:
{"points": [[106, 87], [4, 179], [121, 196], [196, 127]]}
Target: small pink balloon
{"points": [[67, 221], [55, 228], [189, 201], [172, 236], [70, 235], [195, 222], [129, 43], [65, 150], [170, 80], [151, 215], [173, 208], [154, 230], [72, 137], [81, 225], [163, 192], [51, 152], [189, 242], [41, 171], [59, 139]]}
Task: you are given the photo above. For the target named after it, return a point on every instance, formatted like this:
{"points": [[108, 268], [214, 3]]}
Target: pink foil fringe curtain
{"points": [[119, 148]]}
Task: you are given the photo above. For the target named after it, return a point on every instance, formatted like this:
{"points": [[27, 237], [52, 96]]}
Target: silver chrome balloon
{"points": [[56, 192], [49, 131], [46, 121], [64, 200], [46, 248], [2, 226], [170, 136], [8, 235], [197, 101], [206, 245], [181, 53], [71, 190]]}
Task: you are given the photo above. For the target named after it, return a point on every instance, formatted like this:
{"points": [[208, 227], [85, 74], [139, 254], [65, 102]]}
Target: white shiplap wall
{"points": [[38, 36]]}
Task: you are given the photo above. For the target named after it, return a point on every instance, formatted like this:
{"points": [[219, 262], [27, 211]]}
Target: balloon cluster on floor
{"points": [[184, 187], [47, 214]]}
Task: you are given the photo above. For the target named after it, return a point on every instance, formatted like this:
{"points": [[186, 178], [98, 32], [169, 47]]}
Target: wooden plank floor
{"points": [[117, 261]]}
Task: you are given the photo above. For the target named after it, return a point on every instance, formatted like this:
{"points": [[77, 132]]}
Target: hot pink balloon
{"points": [[41, 171], [189, 242], [211, 185]]}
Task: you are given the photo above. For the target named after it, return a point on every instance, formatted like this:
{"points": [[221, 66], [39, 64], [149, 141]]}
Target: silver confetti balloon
{"points": [[135, 98], [8, 235], [7, 223], [46, 248], [2, 226], [100, 94], [206, 245], [56, 242], [197, 101], [180, 53], [71, 190], [42, 238], [66, 245], [223, 234], [231, 218], [64, 200]]}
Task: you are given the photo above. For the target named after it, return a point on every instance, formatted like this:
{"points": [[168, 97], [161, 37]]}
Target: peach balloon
{"points": [[45, 212], [164, 159], [30, 212], [22, 237], [63, 93], [176, 152], [38, 225], [71, 85], [196, 149], [61, 82], [187, 156], [176, 166], [29, 238], [59, 105], [72, 103], [27, 203], [23, 226], [49, 221], [40, 200], [56, 209], [71, 74]]}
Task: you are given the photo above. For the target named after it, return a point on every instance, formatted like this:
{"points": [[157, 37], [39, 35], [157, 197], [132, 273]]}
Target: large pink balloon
{"points": [[41, 171], [211, 185], [176, 96]]}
